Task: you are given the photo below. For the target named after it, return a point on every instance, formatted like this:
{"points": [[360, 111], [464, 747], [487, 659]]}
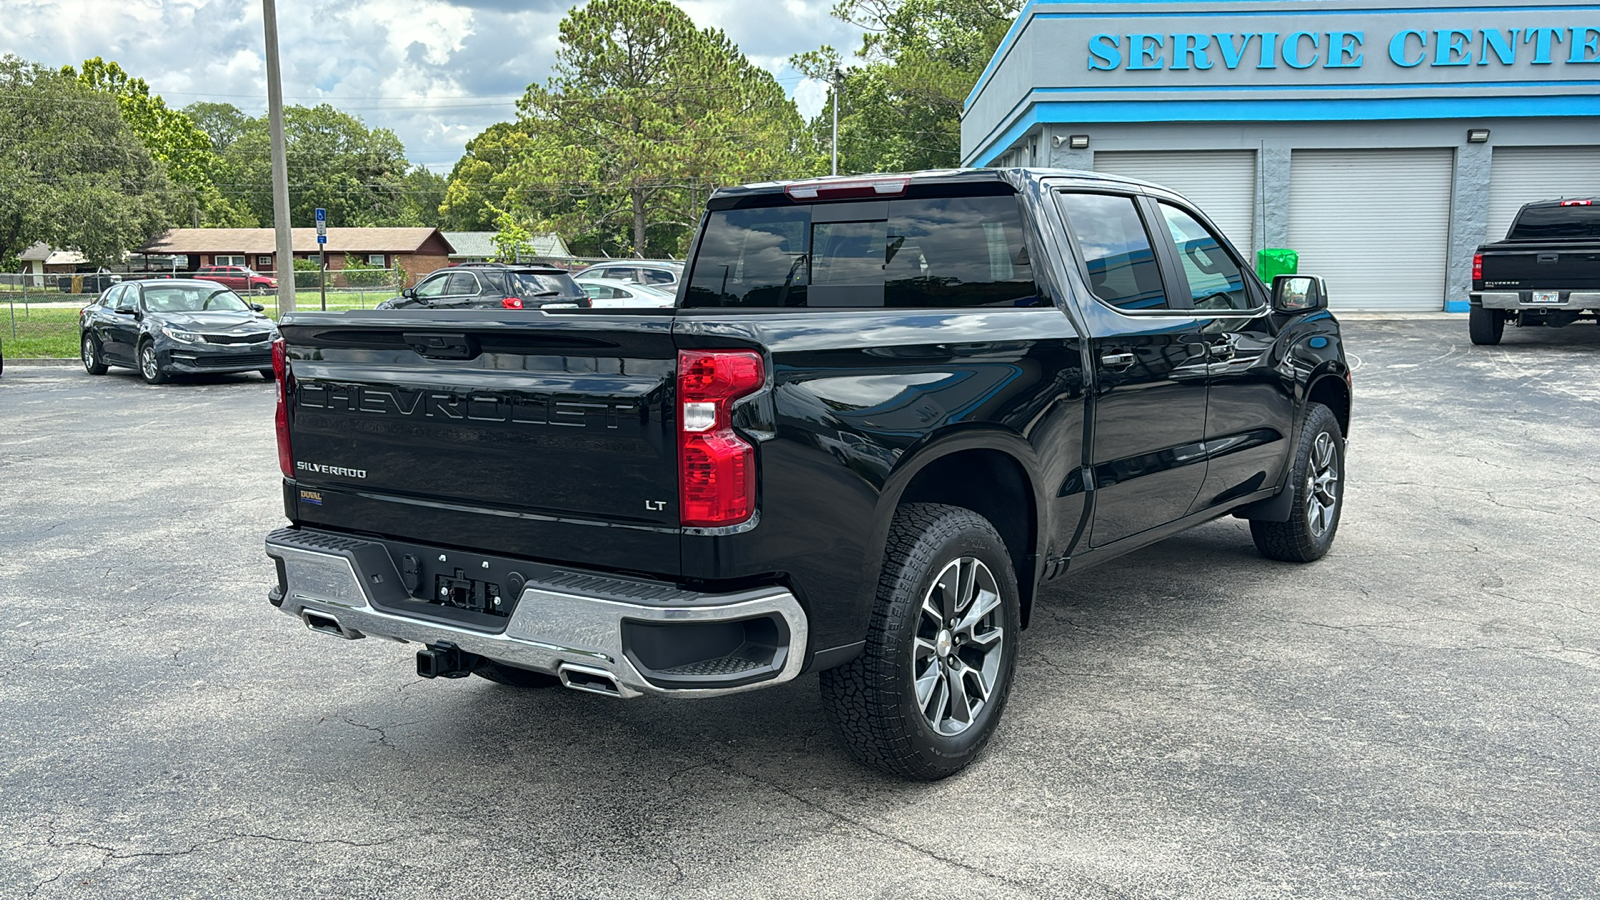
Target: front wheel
{"points": [[150, 365], [927, 691], [1485, 325], [1317, 480], [93, 363]]}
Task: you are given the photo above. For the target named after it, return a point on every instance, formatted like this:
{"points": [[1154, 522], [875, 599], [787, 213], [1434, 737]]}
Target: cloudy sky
{"points": [[435, 71]]}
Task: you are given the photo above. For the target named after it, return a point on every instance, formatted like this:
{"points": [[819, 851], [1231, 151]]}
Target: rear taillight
{"points": [[716, 467], [280, 374], [511, 303], [1477, 267], [1577, 202]]}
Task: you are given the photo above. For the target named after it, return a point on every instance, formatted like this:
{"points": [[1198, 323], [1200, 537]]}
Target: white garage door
{"points": [[1221, 182], [1525, 174], [1374, 223]]}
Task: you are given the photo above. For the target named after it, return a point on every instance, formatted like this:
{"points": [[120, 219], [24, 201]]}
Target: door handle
{"points": [[1117, 361], [1222, 350]]}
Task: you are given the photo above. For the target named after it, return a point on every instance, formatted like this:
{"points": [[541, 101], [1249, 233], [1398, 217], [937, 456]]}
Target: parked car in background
{"points": [[604, 292], [1546, 271], [88, 282], [492, 286], [162, 326], [242, 279], [656, 274]]}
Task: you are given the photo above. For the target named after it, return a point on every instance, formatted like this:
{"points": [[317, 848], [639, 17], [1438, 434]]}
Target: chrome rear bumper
{"points": [[1515, 300], [564, 619]]}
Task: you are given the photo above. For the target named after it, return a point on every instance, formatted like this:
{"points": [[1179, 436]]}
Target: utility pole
{"points": [[838, 79], [280, 164]]}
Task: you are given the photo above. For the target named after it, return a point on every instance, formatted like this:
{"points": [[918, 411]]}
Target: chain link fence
{"points": [[40, 311]]}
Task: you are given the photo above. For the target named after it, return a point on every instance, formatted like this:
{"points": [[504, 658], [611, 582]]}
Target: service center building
{"points": [[1383, 142]]}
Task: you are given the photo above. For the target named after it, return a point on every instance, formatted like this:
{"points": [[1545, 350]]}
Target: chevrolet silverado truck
{"points": [[1546, 271], [884, 413]]}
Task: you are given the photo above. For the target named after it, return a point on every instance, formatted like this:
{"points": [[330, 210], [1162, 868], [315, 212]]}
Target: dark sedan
{"points": [[161, 327]]}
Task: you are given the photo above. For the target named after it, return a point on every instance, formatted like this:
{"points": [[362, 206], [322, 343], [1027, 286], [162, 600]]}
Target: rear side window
{"points": [[1116, 250], [656, 276], [941, 252], [461, 283], [1545, 223], [530, 284]]}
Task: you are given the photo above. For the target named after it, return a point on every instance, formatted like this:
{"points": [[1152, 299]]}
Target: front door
{"points": [[1147, 348], [122, 326], [1250, 404]]}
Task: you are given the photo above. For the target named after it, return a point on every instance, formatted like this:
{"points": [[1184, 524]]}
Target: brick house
{"points": [[417, 250]]}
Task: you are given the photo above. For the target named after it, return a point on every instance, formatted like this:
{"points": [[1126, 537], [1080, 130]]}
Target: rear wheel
{"points": [[93, 363], [512, 676], [268, 374], [926, 693], [150, 364], [1486, 325]]}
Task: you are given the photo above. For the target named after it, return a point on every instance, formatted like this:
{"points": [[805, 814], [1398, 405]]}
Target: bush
{"points": [[305, 274], [360, 274]]}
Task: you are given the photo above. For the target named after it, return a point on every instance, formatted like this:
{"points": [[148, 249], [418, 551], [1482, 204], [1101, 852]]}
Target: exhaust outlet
{"points": [[594, 681], [321, 621]]}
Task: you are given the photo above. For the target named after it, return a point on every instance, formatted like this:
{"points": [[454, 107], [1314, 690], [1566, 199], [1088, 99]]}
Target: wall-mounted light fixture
{"points": [[1477, 135], [1076, 142]]}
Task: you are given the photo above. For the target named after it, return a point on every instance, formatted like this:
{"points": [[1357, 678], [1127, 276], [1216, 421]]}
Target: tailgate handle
{"points": [[1549, 257], [434, 345]]}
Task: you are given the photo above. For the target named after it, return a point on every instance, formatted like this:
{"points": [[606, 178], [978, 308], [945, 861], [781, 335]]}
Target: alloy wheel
{"points": [[1322, 485], [147, 363], [959, 647], [88, 352]]}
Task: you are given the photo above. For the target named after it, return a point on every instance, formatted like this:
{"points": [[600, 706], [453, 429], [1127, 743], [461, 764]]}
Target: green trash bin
{"points": [[1274, 261]]}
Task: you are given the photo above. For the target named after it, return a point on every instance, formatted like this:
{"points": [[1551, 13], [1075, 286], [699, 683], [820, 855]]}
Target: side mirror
{"points": [[409, 293], [258, 307], [1298, 293]]}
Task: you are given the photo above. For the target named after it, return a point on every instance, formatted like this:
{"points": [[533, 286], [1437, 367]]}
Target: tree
{"points": [[901, 108], [223, 123], [170, 136], [359, 175], [72, 172], [644, 114], [482, 183], [511, 241]]}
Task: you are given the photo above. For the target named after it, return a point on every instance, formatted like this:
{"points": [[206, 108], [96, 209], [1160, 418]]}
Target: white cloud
{"points": [[436, 72]]}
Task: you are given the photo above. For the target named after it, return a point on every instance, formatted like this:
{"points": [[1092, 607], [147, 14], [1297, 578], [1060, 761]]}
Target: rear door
{"points": [[1147, 348], [520, 432]]}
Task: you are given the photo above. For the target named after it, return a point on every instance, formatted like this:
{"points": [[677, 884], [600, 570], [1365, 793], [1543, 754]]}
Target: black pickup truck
{"points": [[1546, 271], [883, 413]]}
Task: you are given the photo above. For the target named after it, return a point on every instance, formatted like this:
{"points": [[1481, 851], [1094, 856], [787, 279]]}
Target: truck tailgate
{"points": [[515, 432], [1527, 266]]}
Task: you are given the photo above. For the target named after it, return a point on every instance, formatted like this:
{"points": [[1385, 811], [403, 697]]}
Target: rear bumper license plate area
{"points": [[642, 637]]}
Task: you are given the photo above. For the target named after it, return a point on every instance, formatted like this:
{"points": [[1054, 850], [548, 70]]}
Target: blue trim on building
{"points": [[1457, 306], [1338, 109], [1027, 15]]}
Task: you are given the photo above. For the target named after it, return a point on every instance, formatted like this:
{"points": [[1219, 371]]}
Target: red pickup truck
{"points": [[242, 279]]}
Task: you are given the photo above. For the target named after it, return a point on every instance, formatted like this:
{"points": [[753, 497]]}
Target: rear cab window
{"points": [[1578, 221], [932, 248]]}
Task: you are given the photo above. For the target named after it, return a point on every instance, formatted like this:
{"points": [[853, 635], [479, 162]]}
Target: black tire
{"points": [[873, 700], [150, 364], [1318, 482], [1486, 325], [511, 676], [93, 362], [268, 374]]}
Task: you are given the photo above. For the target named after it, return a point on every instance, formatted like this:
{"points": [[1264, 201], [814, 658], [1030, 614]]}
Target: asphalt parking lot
{"points": [[1417, 715]]}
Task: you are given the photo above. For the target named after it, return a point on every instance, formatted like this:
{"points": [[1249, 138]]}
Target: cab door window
{"points": [[1116, 249], [1216, 280]]}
